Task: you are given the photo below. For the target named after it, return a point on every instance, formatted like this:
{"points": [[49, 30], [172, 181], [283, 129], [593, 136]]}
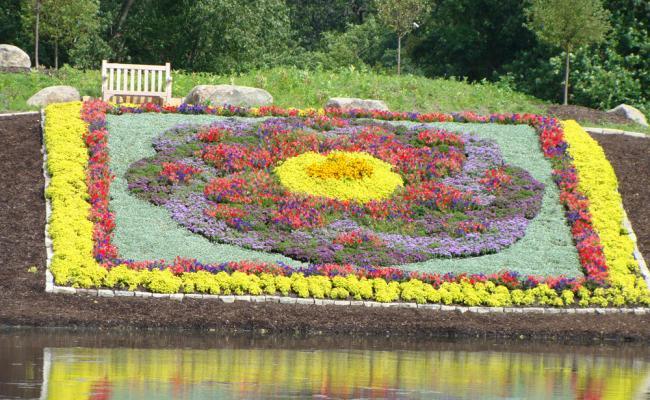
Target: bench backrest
{"points": [[134, 80]]}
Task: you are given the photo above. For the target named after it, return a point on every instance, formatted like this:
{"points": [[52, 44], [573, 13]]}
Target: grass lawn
{"points": [[301, 89]]}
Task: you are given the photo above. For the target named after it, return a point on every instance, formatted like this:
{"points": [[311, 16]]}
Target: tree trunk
{"points": [[36, 31], [126, 7], [566, 78], [56, 54], [399, 55]]}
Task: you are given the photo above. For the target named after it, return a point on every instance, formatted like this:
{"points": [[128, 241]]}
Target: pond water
{"points": [[125, 365]]}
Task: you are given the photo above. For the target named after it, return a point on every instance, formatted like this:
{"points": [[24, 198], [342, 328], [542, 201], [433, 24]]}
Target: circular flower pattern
{"points": [[328, 190], [340, 175]]}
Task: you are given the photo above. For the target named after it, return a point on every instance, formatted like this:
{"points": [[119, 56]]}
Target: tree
{"points": [[570, 25], [62, 22], [402, 16]]}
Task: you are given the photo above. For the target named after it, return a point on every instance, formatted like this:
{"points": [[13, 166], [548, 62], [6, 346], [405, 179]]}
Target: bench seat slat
{"points": [[120, 80]]}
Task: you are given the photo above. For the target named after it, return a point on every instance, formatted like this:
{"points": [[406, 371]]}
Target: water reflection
{"points": [[101, 368]]}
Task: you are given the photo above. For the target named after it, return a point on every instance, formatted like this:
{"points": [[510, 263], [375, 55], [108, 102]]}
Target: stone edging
{"points": [[19, 113], [49, 278], [358, 303], [608, 131], [643, 267], [50, 287]]}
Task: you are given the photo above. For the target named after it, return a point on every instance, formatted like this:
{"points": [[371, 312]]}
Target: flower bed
{"points": [[212, 168]]}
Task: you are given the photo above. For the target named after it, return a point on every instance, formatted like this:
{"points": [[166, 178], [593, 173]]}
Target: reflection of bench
{"points": [[136, 83]]}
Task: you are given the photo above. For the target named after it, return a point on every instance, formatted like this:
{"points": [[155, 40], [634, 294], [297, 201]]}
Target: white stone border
{"points": [[357, 303], [49, 278], [19, 113], [643, 267], [50, 287], [608, 131]]}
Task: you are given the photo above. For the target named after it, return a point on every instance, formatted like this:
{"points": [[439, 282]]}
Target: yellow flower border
{"points": [[73, 263], [597, 180]]}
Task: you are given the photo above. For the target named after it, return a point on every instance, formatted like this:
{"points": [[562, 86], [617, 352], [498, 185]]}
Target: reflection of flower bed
{"points": [[339, 191]]}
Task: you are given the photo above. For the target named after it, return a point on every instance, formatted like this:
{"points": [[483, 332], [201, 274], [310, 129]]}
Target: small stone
{"points": [[143, 294], [304, 301], [552, 311], [211, 297], [407, 305], [569, 310], [124, 293], [585, 311], [177, 296], [195, 296], [539, 310], [318, 302], [429, 306], [356, 302], [258, 299], [328, 302], [160, 295], [14, 59], [631, 113], [444, 307], [287, 300], [272, 299], [351, 103], [64, 290], [640, 311], [243, 298], [498, 310], [105, 293], [87, 292], [341, 302], [227, 299], [54, 94], [219, 95]]}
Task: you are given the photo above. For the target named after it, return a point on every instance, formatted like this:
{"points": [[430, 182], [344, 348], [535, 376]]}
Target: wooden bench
{"points": [[134, 83]]}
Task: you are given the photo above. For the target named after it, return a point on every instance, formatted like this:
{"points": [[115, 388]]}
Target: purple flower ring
{"points": [[328, 190]]}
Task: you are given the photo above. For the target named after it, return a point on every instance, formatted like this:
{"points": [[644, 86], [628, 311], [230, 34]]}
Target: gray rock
{"points": [[227, 299], [13, 58], [218, 95], [64, 290], [105, 293], [54, 94], [348, 103], [631, 113]]}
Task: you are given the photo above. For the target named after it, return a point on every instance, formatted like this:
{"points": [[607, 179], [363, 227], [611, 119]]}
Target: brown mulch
{"points": [[630, 157], [585, 114], [24, 303]]}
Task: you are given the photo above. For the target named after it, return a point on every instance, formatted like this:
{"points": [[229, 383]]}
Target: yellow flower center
{"points": [[340, 166], [341, 175]]}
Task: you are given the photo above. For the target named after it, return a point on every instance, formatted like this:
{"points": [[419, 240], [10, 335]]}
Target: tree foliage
{"points": [[570, 25], [474, 39], [402, 16]]}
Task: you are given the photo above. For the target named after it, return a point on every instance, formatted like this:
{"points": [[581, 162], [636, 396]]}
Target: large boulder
{"points": [[13, 58], [348, 103], [54, 94], [218, 95], [630, 113]]}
